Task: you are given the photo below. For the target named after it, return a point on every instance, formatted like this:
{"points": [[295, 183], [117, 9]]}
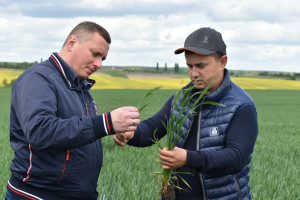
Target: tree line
{"points": [[17, 65], [176, 67], [265, 74]]}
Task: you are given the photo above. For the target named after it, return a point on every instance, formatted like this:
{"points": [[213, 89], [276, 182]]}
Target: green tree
{"points": [[176, 68], [4, 82]]}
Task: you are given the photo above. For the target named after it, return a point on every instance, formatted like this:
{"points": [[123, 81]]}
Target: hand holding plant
{"points": [[185, 103], [122, 138], [172, 159]]}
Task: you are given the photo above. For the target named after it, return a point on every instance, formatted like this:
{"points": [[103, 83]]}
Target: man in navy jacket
{"points": [[217, 149], [55, 129]]}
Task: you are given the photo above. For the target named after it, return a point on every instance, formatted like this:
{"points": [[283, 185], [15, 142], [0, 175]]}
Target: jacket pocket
{"points": [[64, 168]]}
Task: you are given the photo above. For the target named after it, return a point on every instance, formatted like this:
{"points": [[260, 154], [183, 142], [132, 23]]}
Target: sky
{"points": [[259, 34]]}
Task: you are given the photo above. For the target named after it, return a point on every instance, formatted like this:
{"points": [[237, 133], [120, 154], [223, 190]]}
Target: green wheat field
{"points": [[127, 171]]}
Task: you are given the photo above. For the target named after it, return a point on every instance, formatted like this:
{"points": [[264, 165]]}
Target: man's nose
{"points": [[98, 63], [194, 72]]}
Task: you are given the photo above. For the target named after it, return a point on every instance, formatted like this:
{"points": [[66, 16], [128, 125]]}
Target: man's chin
{"points": [[84, 77], [199, 86]]}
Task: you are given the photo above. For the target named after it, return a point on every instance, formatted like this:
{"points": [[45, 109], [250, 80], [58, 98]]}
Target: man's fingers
{"points": [[122, 138], [119, 139], [164, 152], [166, 167], [119, 143], [134, 115], [136, 121], [129, 135], [164, 156], [125, 119], [131, 108], [133, 112], [174, 158], [133, 122]]}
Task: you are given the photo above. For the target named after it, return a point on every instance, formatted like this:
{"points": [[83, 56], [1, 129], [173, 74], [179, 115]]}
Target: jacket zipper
{"points": [[67, 159], [198, 147], [84, 101], [94, 144], [87, 110]]}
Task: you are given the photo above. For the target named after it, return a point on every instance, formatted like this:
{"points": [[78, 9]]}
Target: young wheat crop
{"points": [[185, 104]]}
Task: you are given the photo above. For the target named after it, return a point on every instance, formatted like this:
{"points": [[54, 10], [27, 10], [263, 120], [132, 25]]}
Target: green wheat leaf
{"points": [[150, 92]]}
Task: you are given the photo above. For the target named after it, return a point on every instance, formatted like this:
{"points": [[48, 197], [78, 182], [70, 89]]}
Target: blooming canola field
{"points": [[108, 82], [9, 75], [104, 82]]}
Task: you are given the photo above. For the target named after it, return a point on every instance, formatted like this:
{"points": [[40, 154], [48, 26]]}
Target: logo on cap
{"points": [[205, 39]]}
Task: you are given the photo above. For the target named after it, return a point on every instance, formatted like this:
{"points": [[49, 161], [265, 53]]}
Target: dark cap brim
{"points": [[197, 50]]}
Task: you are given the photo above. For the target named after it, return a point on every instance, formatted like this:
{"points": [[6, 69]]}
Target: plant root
{"points": [[167, 190]]}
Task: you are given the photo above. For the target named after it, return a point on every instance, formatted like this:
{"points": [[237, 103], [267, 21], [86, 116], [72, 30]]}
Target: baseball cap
{"points": [[205, 41]]}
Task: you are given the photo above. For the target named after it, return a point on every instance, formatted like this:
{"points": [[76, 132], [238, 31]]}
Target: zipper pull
{"points": [[68, 155], [87, 110]]}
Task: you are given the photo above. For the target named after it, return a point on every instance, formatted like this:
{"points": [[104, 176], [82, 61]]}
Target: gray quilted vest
{"points": [[211, 135]]}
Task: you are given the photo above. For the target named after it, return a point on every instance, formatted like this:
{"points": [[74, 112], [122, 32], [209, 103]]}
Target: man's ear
{"points": [[223, 61], [72, 40]]}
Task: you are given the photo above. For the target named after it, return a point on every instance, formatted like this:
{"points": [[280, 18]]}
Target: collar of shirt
{"points": [[70, 76]]}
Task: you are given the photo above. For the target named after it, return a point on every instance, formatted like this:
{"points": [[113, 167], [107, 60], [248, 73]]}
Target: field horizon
{"points": [[147, 80]]}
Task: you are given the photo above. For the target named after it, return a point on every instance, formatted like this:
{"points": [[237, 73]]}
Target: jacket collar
{"points": [[220, 91], [70, 77]]}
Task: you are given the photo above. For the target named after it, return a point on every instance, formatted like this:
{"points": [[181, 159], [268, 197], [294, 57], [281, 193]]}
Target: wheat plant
{"points": [[141, 105], [186, 107]]}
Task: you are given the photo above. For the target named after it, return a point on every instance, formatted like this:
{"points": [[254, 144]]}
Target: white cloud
{"points": [[259, 34]]}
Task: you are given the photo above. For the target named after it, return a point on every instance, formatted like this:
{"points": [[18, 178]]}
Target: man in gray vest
{"points": [[217, 148]]}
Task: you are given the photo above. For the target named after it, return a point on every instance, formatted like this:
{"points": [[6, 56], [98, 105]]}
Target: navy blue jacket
{"points": [[219, 144], [55, 132]]}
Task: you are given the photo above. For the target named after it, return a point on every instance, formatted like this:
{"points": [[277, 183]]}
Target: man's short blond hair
{"points": [[86, 29]]}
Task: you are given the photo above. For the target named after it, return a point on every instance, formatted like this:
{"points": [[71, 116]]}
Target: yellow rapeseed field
{"points": [[106, 82], [9, 75], [266, 84]]}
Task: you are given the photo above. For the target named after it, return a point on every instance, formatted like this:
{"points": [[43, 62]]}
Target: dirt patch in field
{"points": [[144, 75], [101, 74], [150, 75]]}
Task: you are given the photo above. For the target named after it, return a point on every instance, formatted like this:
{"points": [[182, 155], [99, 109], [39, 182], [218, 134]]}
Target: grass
{"points": [[127, 172], [6, 152], [275, 166]]}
